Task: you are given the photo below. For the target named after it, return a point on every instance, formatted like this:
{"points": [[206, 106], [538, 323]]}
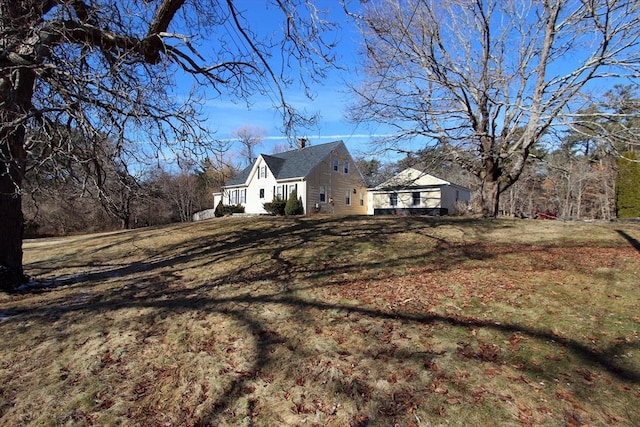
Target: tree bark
{"points": [[490, 174], [16, 91], [490, 198], [11, 222]]}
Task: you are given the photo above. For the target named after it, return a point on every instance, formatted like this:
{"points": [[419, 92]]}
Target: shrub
{"points": [[219, 212], [294, 205], [276, 206], [222, 210], [627, 188], [235, 209], [460, 208]]}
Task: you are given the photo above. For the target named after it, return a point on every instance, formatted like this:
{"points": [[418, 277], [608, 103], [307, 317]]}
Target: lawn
{"points": [[328, 321]]}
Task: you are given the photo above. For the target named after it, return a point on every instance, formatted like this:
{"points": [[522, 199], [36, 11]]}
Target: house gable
{"points": [[412, 178], [335, 185], [261, 184]]}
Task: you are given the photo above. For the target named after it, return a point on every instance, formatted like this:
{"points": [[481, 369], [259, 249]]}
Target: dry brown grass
{"points": [[340, 321]]}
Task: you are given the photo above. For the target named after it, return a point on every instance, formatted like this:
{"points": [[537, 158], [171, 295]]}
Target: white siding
{"points": [[254, 204], [452, 194], [217, 197], [257, 181], [370, 202]]}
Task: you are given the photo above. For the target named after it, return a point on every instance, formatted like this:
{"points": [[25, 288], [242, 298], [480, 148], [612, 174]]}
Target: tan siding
{"points": [[337, 183], [432, 198], [428, 199]]}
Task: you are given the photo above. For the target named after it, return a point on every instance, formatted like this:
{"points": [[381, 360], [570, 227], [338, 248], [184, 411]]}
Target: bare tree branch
{"points": [[107, 69], [489, 77]]}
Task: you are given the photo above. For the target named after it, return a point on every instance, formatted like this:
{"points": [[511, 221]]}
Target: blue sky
{"points": [[331, 97]]}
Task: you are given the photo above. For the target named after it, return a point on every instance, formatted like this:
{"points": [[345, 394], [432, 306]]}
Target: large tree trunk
{"points": [[11, 229], [490, 176], [16, 91], [490, 198]]}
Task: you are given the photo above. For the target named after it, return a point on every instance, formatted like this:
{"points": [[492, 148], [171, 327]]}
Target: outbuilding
{"points": [[413, 192]]}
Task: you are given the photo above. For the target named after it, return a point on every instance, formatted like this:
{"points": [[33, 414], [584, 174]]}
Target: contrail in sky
{"points": [[338, 136]]}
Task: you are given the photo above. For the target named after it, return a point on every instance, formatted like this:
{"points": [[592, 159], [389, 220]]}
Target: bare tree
{"points": [[220, 167], [280, 147], [249, 137], [182, 193], [522, 198], [488, 79], [117, 190], [108, 68], [615, 124]]}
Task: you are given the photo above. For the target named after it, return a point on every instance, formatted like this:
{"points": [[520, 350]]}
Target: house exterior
{"points": [[324, 176], [413, 192]]}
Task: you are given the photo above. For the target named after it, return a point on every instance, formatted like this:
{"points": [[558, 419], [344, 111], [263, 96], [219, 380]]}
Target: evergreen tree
{"points": [[628, 186], [294, 205], [219, 212], [276, 206]]}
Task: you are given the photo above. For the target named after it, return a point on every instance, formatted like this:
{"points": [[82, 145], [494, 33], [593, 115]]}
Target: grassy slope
{"points": [[328, 321]]}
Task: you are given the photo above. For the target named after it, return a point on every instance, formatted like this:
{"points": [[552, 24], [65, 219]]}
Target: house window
{"points": [[347, 198], [323, 193], [243, 196], [336, 165], [264, 171], [346, 167], [262, 193], [393, 199], [277, 190], [415, 198], [361, 199], [233, 198]]}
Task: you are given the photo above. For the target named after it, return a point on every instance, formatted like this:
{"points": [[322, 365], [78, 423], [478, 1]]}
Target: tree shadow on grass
{"points": [[207, 250], [633, 242], [235, 307], [278, 268], [604, 360]]}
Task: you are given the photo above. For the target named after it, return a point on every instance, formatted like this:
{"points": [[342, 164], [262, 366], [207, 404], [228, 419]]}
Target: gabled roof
{"points": [[274, 164], [240, 178], [299, 163], [411, 178], [290, 164]]}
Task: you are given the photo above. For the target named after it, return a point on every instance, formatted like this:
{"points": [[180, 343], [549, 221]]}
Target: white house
{"points": [[324, 176], [414, 192]]}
